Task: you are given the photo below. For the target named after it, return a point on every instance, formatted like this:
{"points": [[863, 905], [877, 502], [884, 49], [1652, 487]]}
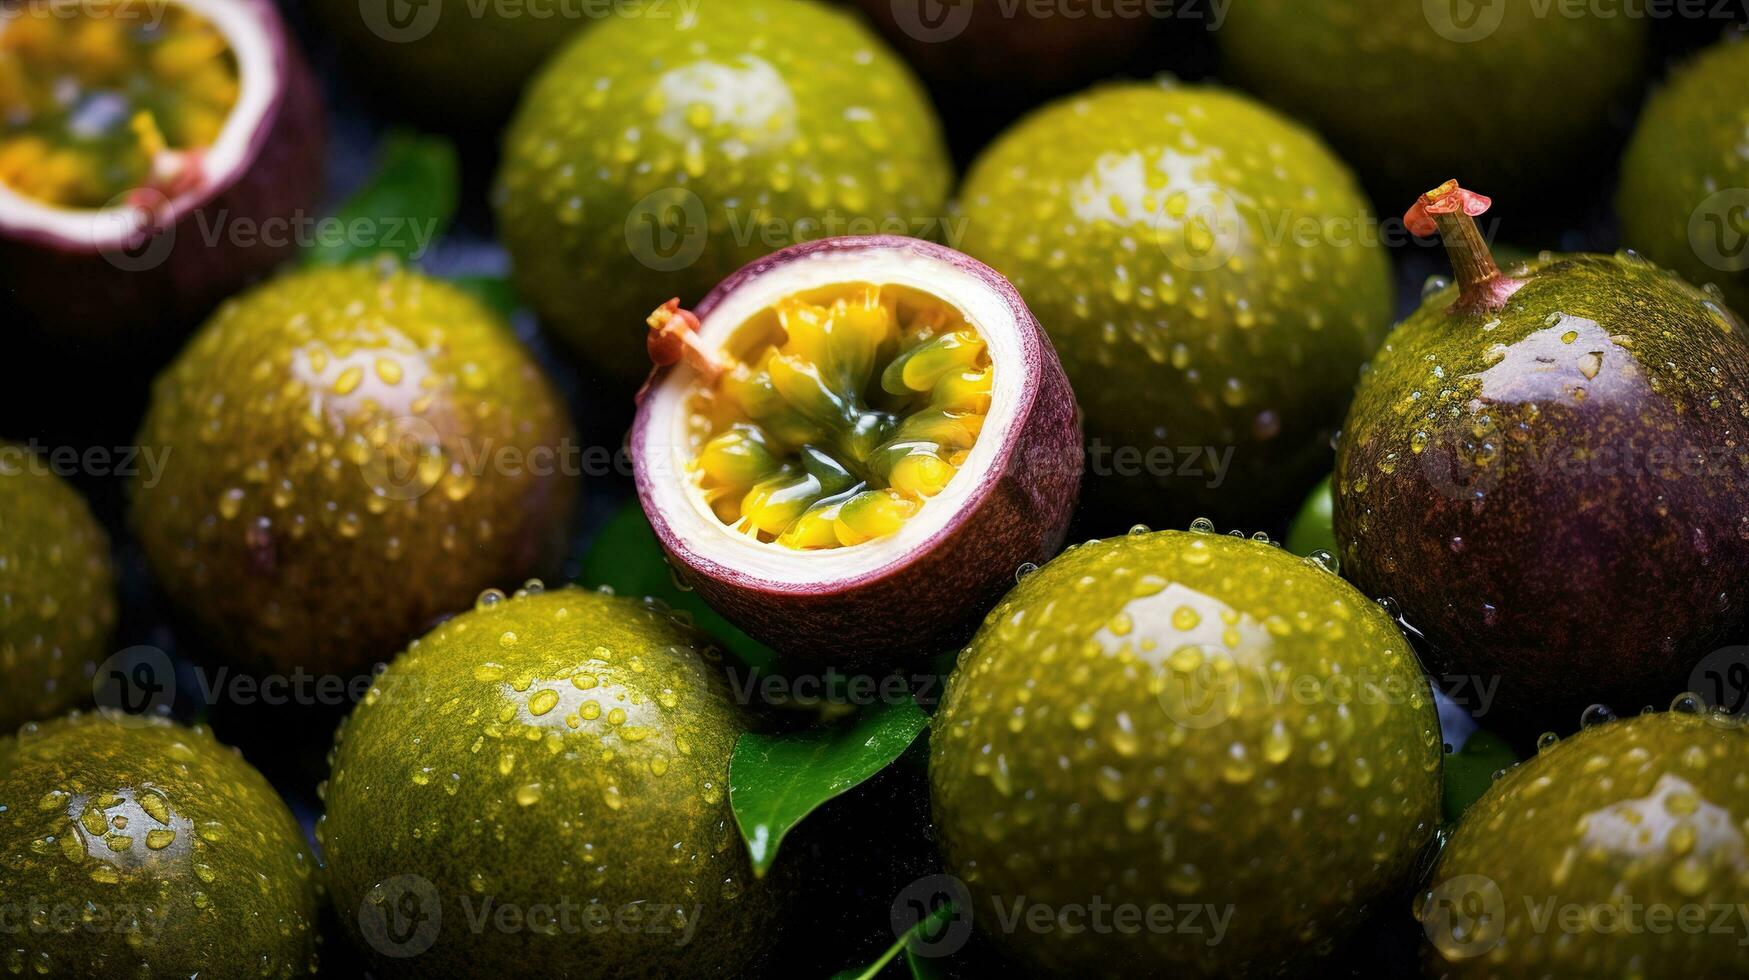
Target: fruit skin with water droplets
{"points": [[1553, 491], [1682, 199], [1173, 717], [1211, 354], [183, 854], [554, 746], [1638, 822], [629, 176], [351, 452], [57, 592]]}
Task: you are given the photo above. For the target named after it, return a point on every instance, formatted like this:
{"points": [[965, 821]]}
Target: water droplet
{"points": [[1597, 714]]}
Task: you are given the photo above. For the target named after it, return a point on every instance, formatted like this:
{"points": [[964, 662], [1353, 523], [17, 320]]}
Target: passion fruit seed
{"points": [[115, 98], [841, 412]]}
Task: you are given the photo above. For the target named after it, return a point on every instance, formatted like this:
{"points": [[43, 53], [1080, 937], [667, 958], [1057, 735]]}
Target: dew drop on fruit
{"points": [[1433, 285], [1688, 703], [1597, 714], [1547, 741], [489, 599], [1136, 530], [1202, 525], [1025, 569], [1323, 559]]}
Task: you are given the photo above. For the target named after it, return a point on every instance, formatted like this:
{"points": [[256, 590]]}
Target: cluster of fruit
{"points": [[862, 451]]}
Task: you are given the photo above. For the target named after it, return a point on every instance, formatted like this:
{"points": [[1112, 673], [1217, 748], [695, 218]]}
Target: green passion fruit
{"points": [[853, 425], [1544, 468], [1365, 72], [138, 848], [653, 156], [1612, 852], [1684, 197], [57, 592], [558, 750], [1183, 719], [352, 452], [1212, 345]]}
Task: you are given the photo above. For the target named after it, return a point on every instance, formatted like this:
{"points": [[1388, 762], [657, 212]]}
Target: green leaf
{"points": [[1470, 771], [405, 206], [776, 780], [922, 968], [494, 291], [627, 558]]}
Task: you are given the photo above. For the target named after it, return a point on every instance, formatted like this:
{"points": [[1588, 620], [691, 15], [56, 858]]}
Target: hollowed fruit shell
{"points": [[923, 587]]}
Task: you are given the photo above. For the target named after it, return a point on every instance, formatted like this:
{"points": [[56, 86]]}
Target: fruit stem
{"points": [[1451, 211], [674, 337]]}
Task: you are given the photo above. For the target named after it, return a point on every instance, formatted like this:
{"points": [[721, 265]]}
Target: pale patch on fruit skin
{"points": [[1064, 764], [1652, 810], [184, 853], [587, 758], [57, 594], [1171, 239], [340, 427]]}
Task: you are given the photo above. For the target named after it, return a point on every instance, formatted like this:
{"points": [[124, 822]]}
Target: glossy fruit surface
{"points": [[1617, 850], [653, 156], [57, 592], [558, 750], [139, 848], [352, 452], [1211, 346], [1184, 718], [1684, 198], [1008, 47]]}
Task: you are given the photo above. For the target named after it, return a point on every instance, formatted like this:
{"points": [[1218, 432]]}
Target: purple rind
{"points": [[79, 291], [931, 600]]}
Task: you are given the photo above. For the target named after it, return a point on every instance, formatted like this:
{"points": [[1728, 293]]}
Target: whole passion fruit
{"points": [[1684, 197], [655, 155], [1221, 744], [148, 151], [857, 443], [351, 452], [559, 757], [1544, 469], [1211, 278], [1616, 851], [139, 848]]}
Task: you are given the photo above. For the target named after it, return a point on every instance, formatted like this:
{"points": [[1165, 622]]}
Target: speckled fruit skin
{"points": [[1368, 74], [352, 452], [1149, 228], [77, 293], [1079, 752], [553, 746], [1020, 514], [1690, 146], [1000, 44], [1631, 821], [1553, 492], [656, 155], [152, 851], [57, 592]]}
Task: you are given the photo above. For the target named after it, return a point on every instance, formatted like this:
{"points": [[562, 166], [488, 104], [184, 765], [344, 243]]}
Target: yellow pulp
{"points": [[105, 96], [839, 412]]}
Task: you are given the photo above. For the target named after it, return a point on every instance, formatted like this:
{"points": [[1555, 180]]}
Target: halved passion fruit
{"points": [[854, 443], [154, 155]]}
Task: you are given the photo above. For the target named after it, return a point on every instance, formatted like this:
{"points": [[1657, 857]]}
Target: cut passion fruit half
{"points": [[850, 428]]}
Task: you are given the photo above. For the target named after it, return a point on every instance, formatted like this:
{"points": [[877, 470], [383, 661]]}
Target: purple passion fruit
{"points": [[857, 426], [656, 155], [1611, 853], [1545, 469], [1035, 48], [139, 848], [57, 592], [132, 133], [1174, 718], [562, 749], [1211, 346], [353, 452]]}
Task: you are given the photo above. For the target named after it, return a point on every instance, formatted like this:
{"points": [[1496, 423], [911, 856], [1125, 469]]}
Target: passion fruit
{"points": [[562, 750], [141, 848], [1614, 851], [57, 592], [653, 156], [1543, 468], [852, 427], [1684, 197], [1170, 720], [1211, 347], [352, 451], [144, 147]]}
